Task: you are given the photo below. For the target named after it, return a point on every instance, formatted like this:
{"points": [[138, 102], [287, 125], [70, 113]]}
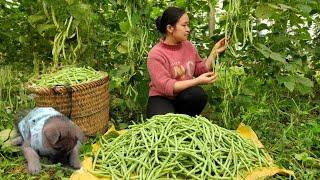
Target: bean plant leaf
{"points": [[263, 49], [155, 12], [45, 27], [289, 85], [7, 134], [70, 2], [273, 6], [304, 81], [124, 26], [304, 34], [122, 69], [262, 26], [33, 19], [303, 90], [277, 57], [4, 135], [263, 11], [288, 81], [22, 39], [7, 147], [81, 11], [243, 99], [304, 8], [123, 125], [180, 3], [122, 47], [214, 2], [285, 7], [301, 156], [315, 127]]}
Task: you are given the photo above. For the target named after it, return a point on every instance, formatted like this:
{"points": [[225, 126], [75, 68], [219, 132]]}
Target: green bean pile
{"points": [[68, 76], [179, 147]]}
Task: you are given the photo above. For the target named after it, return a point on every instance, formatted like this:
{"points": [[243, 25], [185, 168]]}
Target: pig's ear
{"points": [[80, 135], [52, 135]]}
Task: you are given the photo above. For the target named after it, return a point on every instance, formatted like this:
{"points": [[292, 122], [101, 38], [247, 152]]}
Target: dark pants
{"points": [[191, 101]]}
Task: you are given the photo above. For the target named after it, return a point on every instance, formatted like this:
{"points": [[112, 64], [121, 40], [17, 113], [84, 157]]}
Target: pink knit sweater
{"points": [[168, 64]]}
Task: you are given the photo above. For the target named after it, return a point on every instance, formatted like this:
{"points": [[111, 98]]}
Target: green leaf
{"points": [[5, 140], [123, 125], [304, 34], [155, 12], [124, 26], [315, 127], [35, 18], [86, 148], [7, 147], [135, 19], [289, 85], [214, 2], [45, 27], [123, 47], [285, 7], [263, 49], [263, 12], [288, 81], [4, 135], [7, 134], [273, 6], [304, 81], [301, 156], [81, 12], [277, 57], [122, 69], [262, 26], [243, 100], [181, 3], [303, 90], [281, 39], [70, 2], [304, 8], [111, 135], [22, 39]]}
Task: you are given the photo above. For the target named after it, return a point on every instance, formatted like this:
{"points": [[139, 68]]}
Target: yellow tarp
{"points": [[243, 130]]}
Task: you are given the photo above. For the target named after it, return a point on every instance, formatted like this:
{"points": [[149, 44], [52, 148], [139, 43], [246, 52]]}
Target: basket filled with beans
{"points": [[80, 93]]}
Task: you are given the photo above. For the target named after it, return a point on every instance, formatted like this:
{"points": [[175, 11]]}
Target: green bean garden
{"points": [[268, 80]]}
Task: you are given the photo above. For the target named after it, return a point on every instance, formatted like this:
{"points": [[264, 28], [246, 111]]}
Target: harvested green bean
{"points": [[68, 76], [178, 146]]}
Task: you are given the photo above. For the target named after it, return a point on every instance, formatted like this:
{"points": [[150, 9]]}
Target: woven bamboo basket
{"points": [[87, 104]]}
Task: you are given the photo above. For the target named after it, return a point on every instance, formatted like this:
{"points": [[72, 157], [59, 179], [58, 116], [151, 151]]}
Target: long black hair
{"points": [[169, 17]]}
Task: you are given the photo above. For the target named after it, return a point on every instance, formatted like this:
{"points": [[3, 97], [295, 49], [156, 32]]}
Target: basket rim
{"points": [[63, 88]]}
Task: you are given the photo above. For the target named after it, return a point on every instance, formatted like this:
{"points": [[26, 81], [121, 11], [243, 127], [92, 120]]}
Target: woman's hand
{"points": [[220, 46], [207, 78]]}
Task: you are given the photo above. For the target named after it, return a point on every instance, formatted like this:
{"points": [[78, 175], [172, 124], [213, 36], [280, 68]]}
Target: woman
{"points": [[176, 69]]}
